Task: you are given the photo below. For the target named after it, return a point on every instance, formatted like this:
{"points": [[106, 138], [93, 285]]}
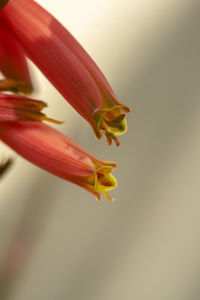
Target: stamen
{"points": [[111, 121], [52, 120], [101, 181], [109, 139], [106, 195], [109, 135], [104, 181], [116, 122]]}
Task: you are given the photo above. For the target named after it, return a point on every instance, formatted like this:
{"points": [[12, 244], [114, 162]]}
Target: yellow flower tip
{"points": [[104, 182], [111, 122], [15, 86]]}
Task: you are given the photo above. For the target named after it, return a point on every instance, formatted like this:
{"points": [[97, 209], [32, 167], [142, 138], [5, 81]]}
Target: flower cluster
{"points": [[28, 31]]}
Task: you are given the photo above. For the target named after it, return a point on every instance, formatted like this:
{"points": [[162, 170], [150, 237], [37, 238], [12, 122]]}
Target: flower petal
{"points": [[19, 108], [13, 64], [49, 149], [33, 26], [67, 65]]}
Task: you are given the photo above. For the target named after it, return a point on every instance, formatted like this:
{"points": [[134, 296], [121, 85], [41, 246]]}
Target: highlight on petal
{"points": [[68, 66], [13, 64], [52, 151], [19, 108]]}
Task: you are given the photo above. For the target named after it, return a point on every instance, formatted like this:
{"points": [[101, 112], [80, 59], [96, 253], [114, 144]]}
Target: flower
{"points": [[68, 66], [21, 117], [52, 151], [19, 108], [22, 129], [13, 64]]}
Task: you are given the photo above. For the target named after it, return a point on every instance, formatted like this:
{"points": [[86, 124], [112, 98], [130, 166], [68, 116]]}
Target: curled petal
{"points": [[68, 66], [52, 151], [19, 108], [13, 64]]}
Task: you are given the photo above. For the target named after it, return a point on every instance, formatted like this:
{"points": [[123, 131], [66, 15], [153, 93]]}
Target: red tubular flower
{"points": [[55, 153], [67, 65], [13, 63], [39, 36], [19, 108], [49, 149]]}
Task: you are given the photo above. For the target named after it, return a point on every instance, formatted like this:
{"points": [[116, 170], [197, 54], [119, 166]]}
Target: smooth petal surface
{"points": [[34, 28], [52, 151], [13, 64], [68, 66]]}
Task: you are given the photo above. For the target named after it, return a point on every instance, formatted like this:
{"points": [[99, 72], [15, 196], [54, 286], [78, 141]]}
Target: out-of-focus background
{"points": [[54, 237]]}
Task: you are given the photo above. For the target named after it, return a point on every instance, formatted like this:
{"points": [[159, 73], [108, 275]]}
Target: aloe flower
{"points": [[21, 128], [57, 154], [21, 119], [68, 66]]}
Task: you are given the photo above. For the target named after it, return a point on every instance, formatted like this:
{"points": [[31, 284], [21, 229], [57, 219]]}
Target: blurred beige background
{"points": [[145, 245]]}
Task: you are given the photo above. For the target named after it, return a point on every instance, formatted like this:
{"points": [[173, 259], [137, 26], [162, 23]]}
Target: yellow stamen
{"points": [[105, 183], [101, 182], [111, 122], [52, 120]]}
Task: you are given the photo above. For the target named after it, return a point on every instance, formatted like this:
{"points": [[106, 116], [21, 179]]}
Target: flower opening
{"points": [[110, 120], [101, 181]]}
